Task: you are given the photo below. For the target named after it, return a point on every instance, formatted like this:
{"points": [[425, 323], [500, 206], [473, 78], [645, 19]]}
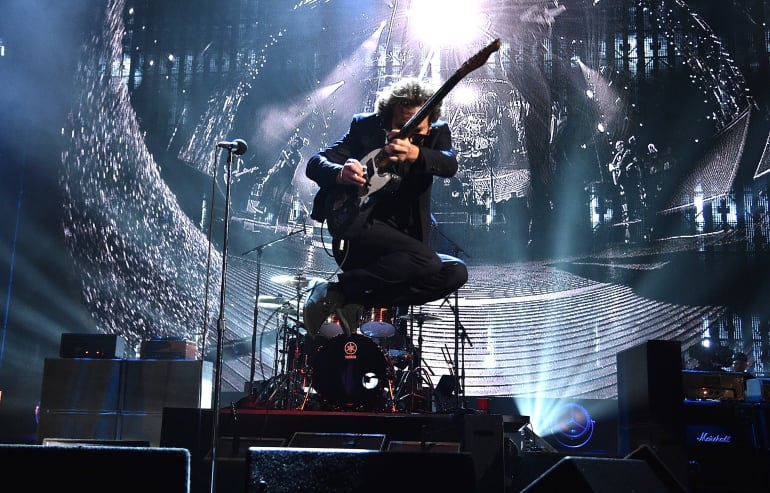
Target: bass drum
{"points": [[349, 373]]}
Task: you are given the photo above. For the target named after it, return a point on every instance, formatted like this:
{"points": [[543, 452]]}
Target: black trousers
{"points": [[385, 267]]}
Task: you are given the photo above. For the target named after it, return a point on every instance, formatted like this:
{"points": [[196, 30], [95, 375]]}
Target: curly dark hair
{"points": [[410, 90]]}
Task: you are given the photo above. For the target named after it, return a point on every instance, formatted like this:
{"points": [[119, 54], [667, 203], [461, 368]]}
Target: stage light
{"points": [[447, 22]]}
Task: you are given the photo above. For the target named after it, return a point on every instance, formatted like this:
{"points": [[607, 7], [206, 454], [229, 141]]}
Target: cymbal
{"points": [[266, 299], [295, 280], [285, 307], [419, 317]]}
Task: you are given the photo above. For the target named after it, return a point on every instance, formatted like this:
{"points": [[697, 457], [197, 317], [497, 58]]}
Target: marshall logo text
{"points": [[706, 437]]}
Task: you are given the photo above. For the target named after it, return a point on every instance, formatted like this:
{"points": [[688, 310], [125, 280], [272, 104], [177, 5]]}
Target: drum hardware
{"points": [[257, 298], [290, 373], [411, 383], [409, 391], [291, 370]]}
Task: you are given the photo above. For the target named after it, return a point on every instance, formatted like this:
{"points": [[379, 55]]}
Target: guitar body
{"points": [[615, 171], [348, 208]]}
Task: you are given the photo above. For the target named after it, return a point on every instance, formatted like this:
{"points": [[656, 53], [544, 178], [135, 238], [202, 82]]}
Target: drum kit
{"points": [[376, 368]]}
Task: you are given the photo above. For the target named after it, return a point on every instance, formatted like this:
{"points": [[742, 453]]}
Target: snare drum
{"points": [[349, 372]]}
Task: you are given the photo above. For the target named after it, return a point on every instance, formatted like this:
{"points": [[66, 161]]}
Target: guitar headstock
{"points": [[480, 58]]}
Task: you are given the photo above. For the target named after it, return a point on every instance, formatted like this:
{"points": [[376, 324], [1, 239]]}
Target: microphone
{"points": [[237, 147]]}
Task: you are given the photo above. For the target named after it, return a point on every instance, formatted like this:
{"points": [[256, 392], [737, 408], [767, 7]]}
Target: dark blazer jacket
{"points": [[367, 133]]}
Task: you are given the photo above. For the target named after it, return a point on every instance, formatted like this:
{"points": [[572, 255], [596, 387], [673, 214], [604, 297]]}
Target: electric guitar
{"points": [[615, 171], [348, 208]]}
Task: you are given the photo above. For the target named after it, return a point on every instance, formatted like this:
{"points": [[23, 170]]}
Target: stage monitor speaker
{"points": [[410, 446], [598, 475], [338, 440], [95, 469], [231, 464], [528, 466], [664, 473], [288, 470], [483, 438], [79, 442]]}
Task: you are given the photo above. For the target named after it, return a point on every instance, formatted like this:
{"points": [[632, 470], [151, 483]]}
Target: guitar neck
{"points": [[410, 126], [470, 65]]}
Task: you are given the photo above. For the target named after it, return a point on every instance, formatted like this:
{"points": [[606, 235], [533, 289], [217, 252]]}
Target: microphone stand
{"points": [[456, 249], [220, 326], [460, 334], [259, 249]]}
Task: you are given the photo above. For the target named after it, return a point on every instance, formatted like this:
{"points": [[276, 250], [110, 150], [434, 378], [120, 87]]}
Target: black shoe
{"points": [[321, 303]]}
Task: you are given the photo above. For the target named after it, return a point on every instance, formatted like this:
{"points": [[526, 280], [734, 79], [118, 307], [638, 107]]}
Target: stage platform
{"points": [[482, 436]]}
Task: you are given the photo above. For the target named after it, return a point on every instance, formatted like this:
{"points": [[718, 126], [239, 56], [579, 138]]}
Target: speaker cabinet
{"points": [[287, 470], [650, 389], [651, 402], [88, 469], [81, 384], [151, 385], [589, 474], [113, 399], [72, 425], [723, 446]]}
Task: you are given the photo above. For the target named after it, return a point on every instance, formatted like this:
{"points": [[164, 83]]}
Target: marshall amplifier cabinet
{"points": [[723, 445]]}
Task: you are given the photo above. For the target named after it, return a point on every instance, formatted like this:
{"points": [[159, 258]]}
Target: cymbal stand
{"points": [[287, 380], [255, 326], [282, 392], [414, 375]]}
